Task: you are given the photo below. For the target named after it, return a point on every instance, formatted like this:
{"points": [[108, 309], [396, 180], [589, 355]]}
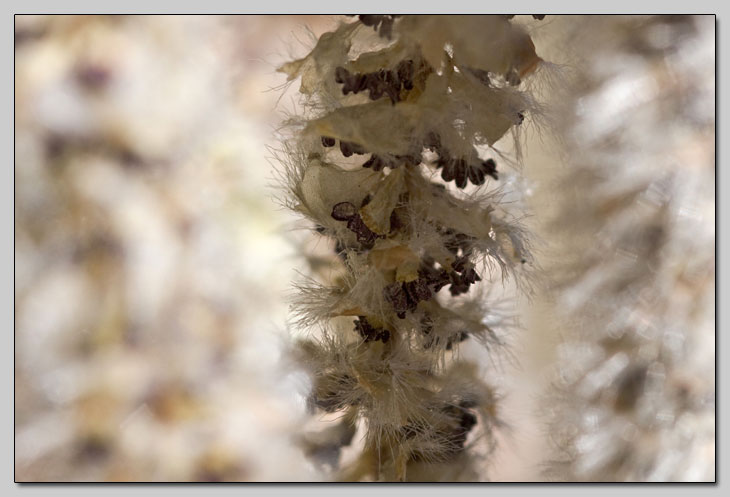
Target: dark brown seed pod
{"points": [[441, 280], [343, 211], [392, 86], [410, 160], [490, 168], [346, 211], [389, 78], [369, 332], [375, 162], [460, 264], [345, 149], [377, 88], [476, 175], [455, 242], [362, 232], [458, 338], [458, 288], [358, 83], [396, 295], [395, 222], [349, 148], [379, 83], [393, 94], [452, 244], [460, 283], [460, 173], [364, 329], [370, 19], [418, 290], [470, 276], [449, 171], [383, 24], [432, 141], [386, 28], [435, 278], [405, 74], [467, 421], [354, 83], [341, 75]]}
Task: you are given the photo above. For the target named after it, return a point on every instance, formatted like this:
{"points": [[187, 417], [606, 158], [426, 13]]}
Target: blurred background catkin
{"points": [[151, 262]]}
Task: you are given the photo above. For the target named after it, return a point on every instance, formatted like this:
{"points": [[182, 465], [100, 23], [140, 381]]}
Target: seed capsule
{"points": [[405, 74], [449, 172], [349, 148], [398, 298], [458, 338], [358, 83], [470, 276], [343, 211], [341, 74], [460, 173], [432, 142], [418, 290], [490, 168], [362, 232], [369, 332], [375, 162]]}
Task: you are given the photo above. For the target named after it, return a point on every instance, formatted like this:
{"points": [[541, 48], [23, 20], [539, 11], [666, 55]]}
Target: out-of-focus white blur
{"points": [[150, 257]]}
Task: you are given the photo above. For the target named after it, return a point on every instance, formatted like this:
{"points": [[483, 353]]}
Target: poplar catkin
{"points": [[394, 161]]}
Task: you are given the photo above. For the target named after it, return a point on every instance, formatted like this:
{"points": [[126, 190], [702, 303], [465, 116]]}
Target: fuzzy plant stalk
{"points": [[634, 271], [394, 163]]}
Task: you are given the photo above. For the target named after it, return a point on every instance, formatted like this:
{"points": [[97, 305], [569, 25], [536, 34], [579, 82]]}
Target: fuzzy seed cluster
{"points": [[390, 164]]}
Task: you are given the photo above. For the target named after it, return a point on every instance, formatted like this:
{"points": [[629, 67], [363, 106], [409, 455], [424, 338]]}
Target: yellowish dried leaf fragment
{"points": [[376, 214], [390, 258], [318, 66]]}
